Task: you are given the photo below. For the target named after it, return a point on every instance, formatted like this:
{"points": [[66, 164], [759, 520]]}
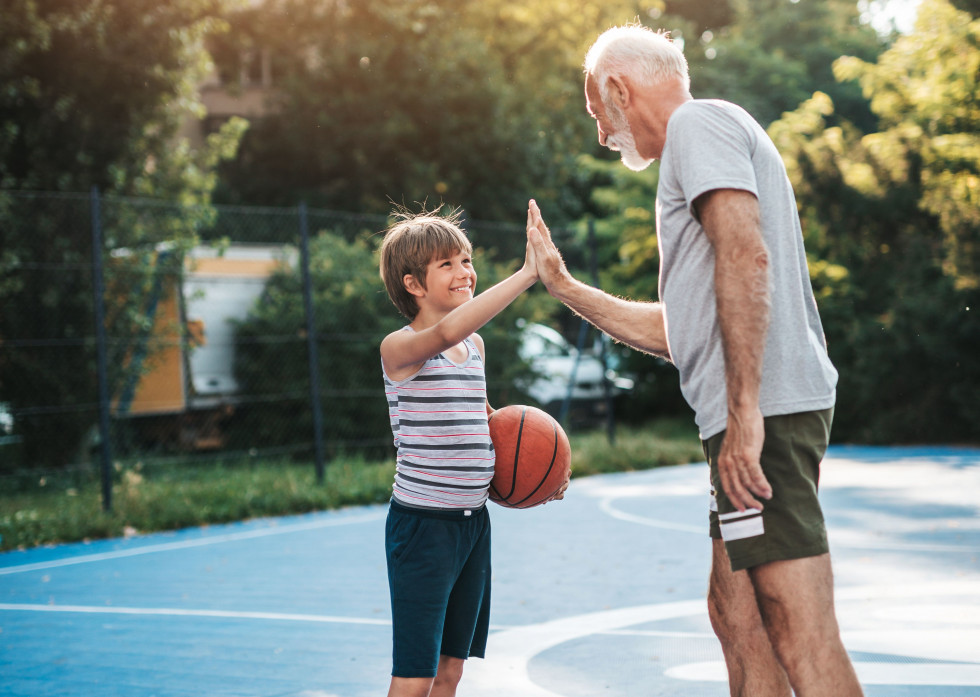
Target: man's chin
{"points": [[636, 163]]}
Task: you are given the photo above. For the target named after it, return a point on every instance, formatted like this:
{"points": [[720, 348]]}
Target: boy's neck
{"points": [[425, 319]]}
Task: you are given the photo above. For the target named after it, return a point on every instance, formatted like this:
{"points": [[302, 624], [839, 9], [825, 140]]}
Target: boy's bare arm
{"points": [[639, 325], [405, 351]]}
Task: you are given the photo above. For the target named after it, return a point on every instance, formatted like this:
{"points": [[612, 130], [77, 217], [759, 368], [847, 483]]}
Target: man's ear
{"points": [[619, 91], [413, 286]]}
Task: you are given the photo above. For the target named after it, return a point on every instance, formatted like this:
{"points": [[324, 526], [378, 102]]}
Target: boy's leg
{"points": [[410, 687], [443, 685], [467, 624], [796, 600], [448, 677], [419, 582], [753, 669], [440, 592]]}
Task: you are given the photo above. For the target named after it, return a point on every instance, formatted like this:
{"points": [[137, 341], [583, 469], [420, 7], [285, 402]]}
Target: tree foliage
{"points": [[91, 95], [778, 52], [474, 103], [892, 214]]}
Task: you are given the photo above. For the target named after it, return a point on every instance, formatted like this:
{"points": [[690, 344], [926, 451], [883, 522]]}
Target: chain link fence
{"points": [[136, 330]]}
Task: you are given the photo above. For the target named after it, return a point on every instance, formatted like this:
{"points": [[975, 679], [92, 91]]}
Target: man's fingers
{"points": [[742, 482], [759, 485], [739, 496]]}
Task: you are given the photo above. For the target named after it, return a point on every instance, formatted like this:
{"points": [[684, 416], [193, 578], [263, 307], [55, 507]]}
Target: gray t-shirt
{"points": [[713, 144]]}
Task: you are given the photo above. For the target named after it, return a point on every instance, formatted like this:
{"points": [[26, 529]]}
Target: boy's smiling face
{"points": [[449, 281]]}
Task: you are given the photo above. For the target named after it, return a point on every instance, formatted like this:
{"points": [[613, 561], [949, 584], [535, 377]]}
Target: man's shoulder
{"points": [[708, 111]]}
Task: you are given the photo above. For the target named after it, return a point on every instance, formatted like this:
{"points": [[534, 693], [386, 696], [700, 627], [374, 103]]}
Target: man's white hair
{"points": [[645, 55]]}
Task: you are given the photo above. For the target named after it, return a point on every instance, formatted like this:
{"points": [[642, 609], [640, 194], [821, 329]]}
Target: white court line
{"points": [[658, 633], [932, 674], [849, 541], [181, 612], [178, 612], [188, 544], [505, 671], [509, 653], [606, 506]]}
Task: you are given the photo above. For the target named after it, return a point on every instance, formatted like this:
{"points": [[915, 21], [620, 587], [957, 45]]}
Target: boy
{"points": [[437, 536]]}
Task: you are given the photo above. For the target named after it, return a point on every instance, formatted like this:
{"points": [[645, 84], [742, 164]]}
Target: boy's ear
{"points": [[412, 285]]}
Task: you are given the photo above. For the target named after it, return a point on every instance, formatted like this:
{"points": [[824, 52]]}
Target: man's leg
{"points": [[753, 669], [796, 599]]}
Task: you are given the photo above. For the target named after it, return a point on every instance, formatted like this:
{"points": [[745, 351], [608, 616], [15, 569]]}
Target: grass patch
{"points": [[56, 509], [665, 442]]}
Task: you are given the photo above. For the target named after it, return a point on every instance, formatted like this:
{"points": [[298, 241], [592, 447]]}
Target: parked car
{"points": [[558, 366]]}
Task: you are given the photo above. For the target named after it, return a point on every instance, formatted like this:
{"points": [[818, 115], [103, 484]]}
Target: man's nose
{"points": [[602, 136]]}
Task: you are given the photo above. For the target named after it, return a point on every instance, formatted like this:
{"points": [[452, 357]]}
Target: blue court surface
{"points": [[600, 594]]}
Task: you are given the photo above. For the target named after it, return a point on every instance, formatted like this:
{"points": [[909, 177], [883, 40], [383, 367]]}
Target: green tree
{"points": [[91, 95], [778, 52], [707, 15], [893, 212], [475, 103]]}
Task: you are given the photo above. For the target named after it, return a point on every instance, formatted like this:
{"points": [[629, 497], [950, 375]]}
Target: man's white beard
{"points": [[624, 142]]}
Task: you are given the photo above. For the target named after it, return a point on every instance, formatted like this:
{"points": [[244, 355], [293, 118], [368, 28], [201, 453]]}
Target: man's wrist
{"points": [[563, 287]]}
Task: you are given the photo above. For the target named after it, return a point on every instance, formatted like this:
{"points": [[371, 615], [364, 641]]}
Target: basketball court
{"points": [[600, 594]]}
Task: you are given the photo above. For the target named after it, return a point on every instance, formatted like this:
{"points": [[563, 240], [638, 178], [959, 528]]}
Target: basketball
{"points": [[533, 457]]}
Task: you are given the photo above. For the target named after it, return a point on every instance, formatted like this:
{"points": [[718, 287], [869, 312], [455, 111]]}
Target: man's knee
{"points": [[796, 600]]}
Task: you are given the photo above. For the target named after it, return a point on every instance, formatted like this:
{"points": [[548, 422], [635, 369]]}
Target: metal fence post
{"points": [[311, 343], [98, 291], [606, 391]]}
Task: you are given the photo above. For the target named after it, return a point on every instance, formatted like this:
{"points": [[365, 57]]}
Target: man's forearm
{"points": [[639, 325], [731, 221], [742, 287]]}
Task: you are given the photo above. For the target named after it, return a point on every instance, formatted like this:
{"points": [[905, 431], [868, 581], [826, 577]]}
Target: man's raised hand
{"points": [[551, 267]]}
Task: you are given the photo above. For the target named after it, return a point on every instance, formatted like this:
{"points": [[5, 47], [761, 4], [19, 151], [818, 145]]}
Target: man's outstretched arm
{"points": [[639, 325]]}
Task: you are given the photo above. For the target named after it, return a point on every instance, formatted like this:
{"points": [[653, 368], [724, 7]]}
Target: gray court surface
{"points": [[600, 594]]}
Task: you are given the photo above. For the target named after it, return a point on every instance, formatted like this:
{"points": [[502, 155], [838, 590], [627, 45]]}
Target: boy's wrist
{"points": [[530, 273]]}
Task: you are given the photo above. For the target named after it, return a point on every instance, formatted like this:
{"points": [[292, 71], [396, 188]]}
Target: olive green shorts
{"points": [[791, 524]]}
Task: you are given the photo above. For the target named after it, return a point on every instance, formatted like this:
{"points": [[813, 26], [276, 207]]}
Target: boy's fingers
{"points": [[538, 221]]}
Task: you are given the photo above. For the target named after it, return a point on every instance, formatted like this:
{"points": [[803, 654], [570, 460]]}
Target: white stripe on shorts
{"points": [[739, 525]]}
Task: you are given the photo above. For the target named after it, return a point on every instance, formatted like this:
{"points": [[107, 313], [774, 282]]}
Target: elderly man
{"points": [[738, 318]]}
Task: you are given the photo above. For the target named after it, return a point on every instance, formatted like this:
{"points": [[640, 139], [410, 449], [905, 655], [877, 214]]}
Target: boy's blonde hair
{"points": [[410, 245]]}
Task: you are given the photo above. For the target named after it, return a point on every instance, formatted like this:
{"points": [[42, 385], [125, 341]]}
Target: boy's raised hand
{"points": [[551, 266], [530, 259]]}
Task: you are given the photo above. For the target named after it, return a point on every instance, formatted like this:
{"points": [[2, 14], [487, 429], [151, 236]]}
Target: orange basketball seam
{"points": [[517, 456], [554, 456]]}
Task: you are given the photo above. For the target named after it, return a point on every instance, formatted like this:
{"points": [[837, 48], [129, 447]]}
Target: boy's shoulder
{"points": [[398, 332]]}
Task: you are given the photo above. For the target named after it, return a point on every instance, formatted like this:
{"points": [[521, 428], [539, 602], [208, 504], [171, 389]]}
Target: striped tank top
{"points": [[439, 421]]}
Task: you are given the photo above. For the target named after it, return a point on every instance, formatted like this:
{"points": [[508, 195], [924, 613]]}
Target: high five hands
{"points": [[550, 265]]}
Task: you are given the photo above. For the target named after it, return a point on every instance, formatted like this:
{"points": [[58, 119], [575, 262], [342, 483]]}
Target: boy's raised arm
{"points": [[401, 350]]}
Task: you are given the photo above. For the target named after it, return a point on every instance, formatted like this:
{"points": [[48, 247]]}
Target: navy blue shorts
{"points": [[439, 578]]}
